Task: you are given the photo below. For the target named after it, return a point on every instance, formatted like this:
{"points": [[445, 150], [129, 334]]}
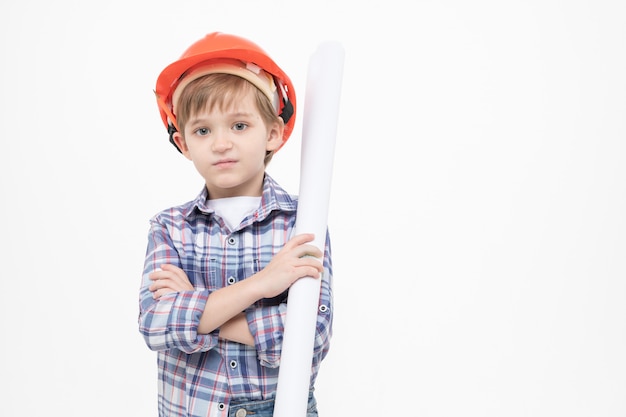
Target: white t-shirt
{"points": [[234, 209]]}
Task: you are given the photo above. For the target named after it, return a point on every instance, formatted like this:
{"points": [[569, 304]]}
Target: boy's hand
{"points": [[169, 279], [294, 261]]}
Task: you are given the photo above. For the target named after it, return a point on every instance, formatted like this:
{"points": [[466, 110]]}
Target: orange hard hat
{"points": [[225, 53]]}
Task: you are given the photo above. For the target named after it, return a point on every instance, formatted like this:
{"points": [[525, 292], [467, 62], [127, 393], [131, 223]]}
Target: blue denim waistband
{"points": [[264, 408]]}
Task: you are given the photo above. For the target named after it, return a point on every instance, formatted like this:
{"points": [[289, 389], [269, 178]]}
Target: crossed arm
{"points": [[224, 307]]}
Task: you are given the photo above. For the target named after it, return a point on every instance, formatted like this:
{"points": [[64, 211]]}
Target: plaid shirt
{"points": [[200, 374]]}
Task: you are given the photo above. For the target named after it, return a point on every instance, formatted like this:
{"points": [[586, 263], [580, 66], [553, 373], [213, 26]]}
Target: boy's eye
{"points": [[202, 131], [239, 126]]}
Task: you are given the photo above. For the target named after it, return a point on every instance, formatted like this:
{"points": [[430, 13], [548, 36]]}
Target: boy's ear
{"points": [[179, 140], [275, 138]]}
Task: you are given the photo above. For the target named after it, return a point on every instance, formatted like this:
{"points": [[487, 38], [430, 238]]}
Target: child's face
{"points": [[228, 147]]}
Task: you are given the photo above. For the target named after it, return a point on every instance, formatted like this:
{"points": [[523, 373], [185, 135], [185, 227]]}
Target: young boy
{"points": [[218, 268]]}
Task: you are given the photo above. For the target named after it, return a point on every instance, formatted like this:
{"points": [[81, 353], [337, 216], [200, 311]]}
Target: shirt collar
{"points": [[273, 197]]}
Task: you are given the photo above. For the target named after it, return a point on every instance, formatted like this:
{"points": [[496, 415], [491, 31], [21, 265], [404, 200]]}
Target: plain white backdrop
{"points": [[477, 210]]}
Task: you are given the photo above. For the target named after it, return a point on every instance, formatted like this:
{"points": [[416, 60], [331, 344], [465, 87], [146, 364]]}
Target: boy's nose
{"points": [[221, 142]]}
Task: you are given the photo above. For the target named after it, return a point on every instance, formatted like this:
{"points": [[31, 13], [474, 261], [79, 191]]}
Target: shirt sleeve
{"points": [[172, 321], [324, 328], [267, 323]]}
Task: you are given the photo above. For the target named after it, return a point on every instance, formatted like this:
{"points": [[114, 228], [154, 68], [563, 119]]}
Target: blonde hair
{"points": [[221, 91]]}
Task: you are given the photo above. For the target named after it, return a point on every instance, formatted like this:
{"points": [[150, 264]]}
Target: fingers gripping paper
{"points": [[319, 131]]}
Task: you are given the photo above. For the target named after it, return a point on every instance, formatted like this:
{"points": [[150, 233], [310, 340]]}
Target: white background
{"points": [[477, 207]]}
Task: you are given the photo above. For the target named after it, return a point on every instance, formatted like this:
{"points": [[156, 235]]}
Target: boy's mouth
{"points": [[225, 162]]}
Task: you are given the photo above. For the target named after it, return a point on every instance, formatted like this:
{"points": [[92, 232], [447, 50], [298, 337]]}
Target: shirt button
{"points": [[221, 406], [231, 240], [323, 308], [231, 280], [233, 364], [241, 413]]}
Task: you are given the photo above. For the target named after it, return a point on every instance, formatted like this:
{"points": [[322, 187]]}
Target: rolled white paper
{"points": [[319, 131]]}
